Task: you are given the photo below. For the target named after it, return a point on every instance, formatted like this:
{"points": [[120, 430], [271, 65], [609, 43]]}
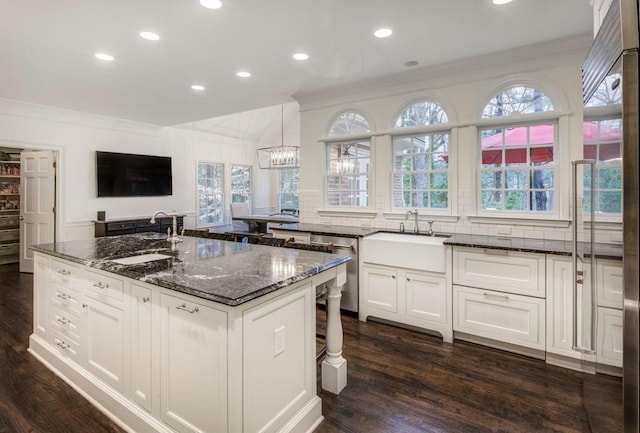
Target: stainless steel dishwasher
{"points": [[345, 247]]}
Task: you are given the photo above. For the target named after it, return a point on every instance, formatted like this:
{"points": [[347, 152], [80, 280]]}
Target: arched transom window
{"points": [[421, 160], [517, 165], [349, 122]]}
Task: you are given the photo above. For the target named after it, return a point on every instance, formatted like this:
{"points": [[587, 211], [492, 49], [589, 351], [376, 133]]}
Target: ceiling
{"points": [[47, 48]]}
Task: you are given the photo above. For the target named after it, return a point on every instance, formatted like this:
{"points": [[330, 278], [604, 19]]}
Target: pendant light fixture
{"points": [[279, 157]]}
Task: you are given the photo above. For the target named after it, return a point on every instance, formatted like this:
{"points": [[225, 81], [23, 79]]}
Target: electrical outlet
{"points": [[278, 341]]}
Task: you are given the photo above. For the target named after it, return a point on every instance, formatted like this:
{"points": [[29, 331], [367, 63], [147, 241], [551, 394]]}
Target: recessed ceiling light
{"points": [[150, 36], [198, 87], [211, 4], [383, 33], [411, 63], [301, 56], [501, 2], [243, 74], [104, 56]]}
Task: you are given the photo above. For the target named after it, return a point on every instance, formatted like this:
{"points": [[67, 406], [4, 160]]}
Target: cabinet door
{"points": [[609, 348], [610, 287], [141, 346], [104, 342], [426, 297], [560, 309], [505, 271], [380, 288], [499, 316], [193, 366]]}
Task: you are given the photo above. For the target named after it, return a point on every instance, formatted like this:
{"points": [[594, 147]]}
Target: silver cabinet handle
{"points": [[145, 299], [62, 345], [64, 272], [85, 305], [408, 279], [184, 307], [63, 320], [63, 296], [100, 285], [492, 296], [492, 252]]}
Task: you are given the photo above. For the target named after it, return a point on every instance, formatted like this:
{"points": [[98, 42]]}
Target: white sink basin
{"points": [[427, 253], [142, 258]]}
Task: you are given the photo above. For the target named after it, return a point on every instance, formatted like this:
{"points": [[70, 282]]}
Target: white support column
{"points": [[334, 366]]}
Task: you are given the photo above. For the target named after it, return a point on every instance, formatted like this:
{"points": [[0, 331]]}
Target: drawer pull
{"points": [[145, 299], [63, 296], [64, 272], [100, 285], [63, 320], [393, 276], [62, 345], [184, 307], [493, 252], [498, 297], [408, 279]]}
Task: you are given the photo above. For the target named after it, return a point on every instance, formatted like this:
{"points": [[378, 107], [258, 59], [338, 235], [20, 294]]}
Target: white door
{"points": [[37, 203]]}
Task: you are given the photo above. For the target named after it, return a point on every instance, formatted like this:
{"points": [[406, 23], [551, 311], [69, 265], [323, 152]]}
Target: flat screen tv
{"points": [[128, 175]]}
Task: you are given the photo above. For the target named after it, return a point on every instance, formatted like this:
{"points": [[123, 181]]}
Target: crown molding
{"points": [[28, 110]]}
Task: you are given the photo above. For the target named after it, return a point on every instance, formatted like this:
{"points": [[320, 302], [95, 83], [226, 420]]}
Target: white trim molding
{"points": [[347, 213], [423, 217], [521, 221]]}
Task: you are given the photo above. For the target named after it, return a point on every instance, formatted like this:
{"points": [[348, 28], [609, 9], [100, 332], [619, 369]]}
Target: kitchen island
{"points": [[209, 336]]}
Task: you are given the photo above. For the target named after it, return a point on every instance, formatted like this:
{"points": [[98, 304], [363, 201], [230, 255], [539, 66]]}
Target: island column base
{"points": [[334, 376]]}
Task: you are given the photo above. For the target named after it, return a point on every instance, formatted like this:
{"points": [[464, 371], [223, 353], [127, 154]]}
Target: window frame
{"points": [[281, 193], [599, 114], [529, 168], [222, 206], [368, 175], [517, 119], [233, 191], [424, 129]]}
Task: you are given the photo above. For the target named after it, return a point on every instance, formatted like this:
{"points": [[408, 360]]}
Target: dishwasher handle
{"points": [[344, 247]]}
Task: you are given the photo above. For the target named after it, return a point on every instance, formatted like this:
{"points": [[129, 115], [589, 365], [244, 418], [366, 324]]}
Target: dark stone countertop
{"points": [[530, 245], [229, 273], [320, 229]]}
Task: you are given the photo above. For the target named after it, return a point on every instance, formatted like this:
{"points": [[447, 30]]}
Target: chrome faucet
{"points": [[415, 215], [430, 229], [173, 236]]}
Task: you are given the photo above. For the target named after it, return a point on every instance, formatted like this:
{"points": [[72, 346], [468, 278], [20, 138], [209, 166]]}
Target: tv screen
{"points": [[127, 175]]}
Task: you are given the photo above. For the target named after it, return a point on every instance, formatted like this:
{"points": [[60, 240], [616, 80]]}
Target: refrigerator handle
{"points": [[579, 256]]}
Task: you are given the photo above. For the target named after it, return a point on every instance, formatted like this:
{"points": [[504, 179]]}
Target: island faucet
{"points": [[415, 215], [173, 237]]}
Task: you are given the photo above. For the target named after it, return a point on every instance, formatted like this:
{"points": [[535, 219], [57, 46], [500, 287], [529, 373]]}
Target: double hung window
{"points": [[288, 181], [241, 184], [421, 161], [210, 194], [517, 167]]}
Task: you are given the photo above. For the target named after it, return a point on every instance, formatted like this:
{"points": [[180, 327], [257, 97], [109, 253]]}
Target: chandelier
{"points": [[279, 157]]}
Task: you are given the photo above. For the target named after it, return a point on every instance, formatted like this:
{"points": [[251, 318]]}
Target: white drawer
{"points": [[610, 283], [65, 299], [65, 324], [503, 317], [103, 286], [66, 345], [68, 274], [507, 271], [609, 342]]}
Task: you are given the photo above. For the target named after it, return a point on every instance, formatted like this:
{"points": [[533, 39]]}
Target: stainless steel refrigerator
{"points": [[615, 50]]}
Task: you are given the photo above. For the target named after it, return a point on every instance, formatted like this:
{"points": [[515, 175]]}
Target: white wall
{"points": [[463, 97], [76, 136]]}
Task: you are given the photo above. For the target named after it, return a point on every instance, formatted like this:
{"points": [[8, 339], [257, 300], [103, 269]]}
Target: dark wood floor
{"points": [[399, 381]]}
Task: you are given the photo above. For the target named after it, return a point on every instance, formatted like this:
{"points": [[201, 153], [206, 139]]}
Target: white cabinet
{"points": [[500, 316], [193, 366], [499, 295], [502, 270], [141, 366], [380, 290], [609, 343], [560, 310], [610, 286], [407, 296], [104, 341], [41, 295]]}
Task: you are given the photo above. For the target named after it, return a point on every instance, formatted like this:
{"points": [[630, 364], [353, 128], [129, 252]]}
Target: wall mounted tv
{"points": [[128, 175]]}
